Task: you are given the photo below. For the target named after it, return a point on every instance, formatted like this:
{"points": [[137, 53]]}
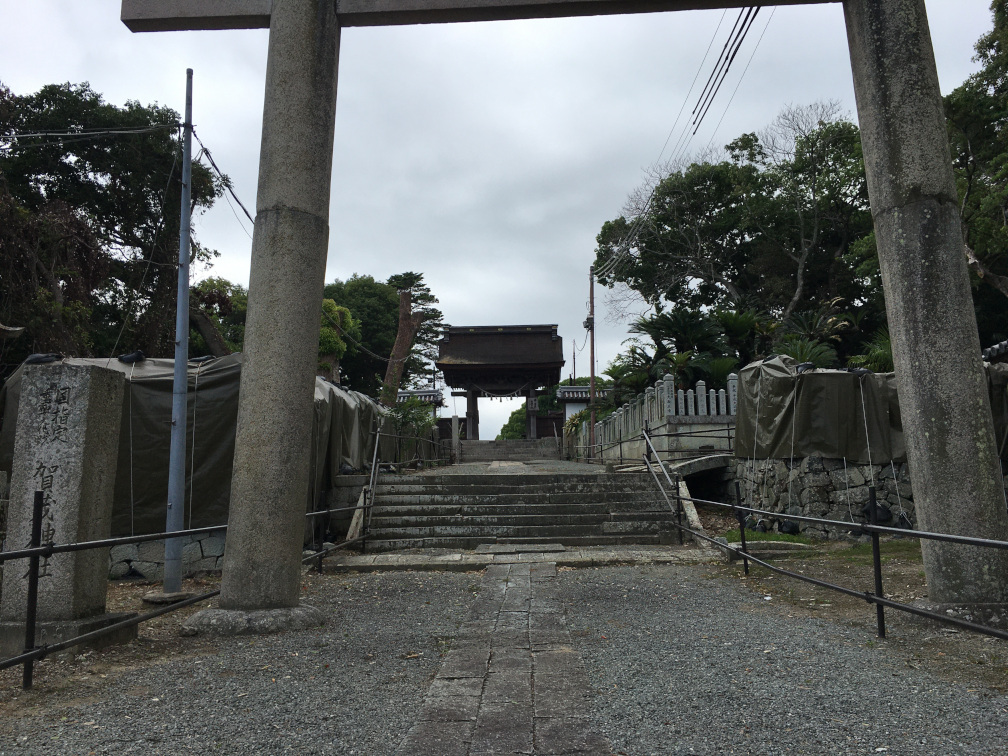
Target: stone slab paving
{"points": [[467, 561], [513, 683]]}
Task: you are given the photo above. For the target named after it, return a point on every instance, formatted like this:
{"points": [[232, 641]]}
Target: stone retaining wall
{"points": [[200, 553], [818, 487]]}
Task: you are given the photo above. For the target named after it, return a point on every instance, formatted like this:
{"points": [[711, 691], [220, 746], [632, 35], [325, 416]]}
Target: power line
{"points": [[693, 84], [56, 138], [93, 133], [687, 137], [360, 346], [735, 38], [744, 71], [738, 45], [720, 60], [227, 182]]}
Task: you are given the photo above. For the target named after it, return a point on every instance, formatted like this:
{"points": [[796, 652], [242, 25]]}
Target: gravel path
{"points": [[679, 662], [352, 687], [683, 664]]}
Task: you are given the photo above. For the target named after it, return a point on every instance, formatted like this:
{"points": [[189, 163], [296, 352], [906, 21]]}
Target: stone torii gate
{"points": [[950, 439]]}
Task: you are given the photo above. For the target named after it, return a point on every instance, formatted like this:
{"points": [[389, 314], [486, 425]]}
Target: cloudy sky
{"points": [[486, 156]]}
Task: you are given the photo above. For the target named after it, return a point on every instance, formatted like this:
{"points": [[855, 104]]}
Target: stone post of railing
{"points": [[669, 395], [681, 402], [712, 402], [732, 394], [648, 407], [690, 402], [701, 396], [722, 402]]}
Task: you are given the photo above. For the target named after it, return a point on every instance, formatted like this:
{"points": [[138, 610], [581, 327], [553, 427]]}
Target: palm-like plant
{"points": [[808, 350], [877, 354]]}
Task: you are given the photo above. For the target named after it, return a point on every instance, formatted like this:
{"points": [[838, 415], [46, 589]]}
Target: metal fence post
{"points": [[678, 503], [33, 578], [876, 561], [741, 525]]}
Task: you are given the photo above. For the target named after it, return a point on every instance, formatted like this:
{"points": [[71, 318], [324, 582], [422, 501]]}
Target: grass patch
{"points": [[733, 536], [861, 553]]}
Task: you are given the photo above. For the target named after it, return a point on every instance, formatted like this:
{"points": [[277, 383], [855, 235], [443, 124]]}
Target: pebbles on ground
{"points": [[683, 664]]}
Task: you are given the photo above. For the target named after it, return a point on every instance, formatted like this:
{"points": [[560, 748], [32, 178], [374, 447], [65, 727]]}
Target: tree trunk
{"points": [[997, 281], [208, 330], [409, 326]]}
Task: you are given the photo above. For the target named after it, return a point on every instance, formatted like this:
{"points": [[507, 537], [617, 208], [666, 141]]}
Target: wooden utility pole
{"points": [[591, 356]]}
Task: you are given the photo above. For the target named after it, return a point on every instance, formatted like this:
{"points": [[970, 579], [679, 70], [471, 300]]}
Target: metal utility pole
{"points": [[176, 464], [591, 356]]}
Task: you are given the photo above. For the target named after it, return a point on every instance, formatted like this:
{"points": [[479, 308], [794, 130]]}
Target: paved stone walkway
{"points": [[513, 682], [570, 556]]}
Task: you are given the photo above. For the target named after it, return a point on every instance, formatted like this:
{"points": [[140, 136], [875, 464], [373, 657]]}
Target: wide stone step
{"points": [[385, 489], [510, 530], [469, 543], [480, 510], [504, 480], [618, 500], [384, 520]]}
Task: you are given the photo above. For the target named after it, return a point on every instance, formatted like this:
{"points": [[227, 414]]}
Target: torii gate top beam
{"points": [[181, 15]]}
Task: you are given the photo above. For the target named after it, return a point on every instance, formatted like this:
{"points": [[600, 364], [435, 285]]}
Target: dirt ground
{"points": [[958, 656]]}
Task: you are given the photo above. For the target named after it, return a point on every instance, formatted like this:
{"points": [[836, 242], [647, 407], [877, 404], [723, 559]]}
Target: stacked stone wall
{"points": [[825, 488], [200, 553]]}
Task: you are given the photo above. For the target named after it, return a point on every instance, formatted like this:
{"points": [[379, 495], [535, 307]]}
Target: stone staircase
{"points": [[520, 450], [463, 511]]}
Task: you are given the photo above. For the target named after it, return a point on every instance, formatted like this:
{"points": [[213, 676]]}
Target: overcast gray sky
{"points": [[486, 156]]}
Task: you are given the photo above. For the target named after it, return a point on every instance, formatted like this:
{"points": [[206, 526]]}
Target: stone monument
{"points": [[66, 445]]}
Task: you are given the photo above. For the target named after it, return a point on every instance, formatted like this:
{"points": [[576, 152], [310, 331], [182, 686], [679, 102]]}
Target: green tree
{"points": [[767, 229], [89, 253], [338, 326], [977, 117], [224, 305], [514, 428], [375, 305]]}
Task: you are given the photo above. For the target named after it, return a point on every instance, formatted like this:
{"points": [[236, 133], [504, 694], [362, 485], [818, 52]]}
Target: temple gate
{"points": [[500, 361]]}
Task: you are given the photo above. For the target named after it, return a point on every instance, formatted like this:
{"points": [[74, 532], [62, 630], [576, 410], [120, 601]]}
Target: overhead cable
{"points": [[744, 71], [227, 184], [731, 60]]}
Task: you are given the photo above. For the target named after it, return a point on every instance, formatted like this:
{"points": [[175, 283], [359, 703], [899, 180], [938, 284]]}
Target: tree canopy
{"points": [[771, 249], [977, 117], [375, 305], [90, 198]]}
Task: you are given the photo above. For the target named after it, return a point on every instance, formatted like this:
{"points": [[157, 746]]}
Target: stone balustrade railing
{"points": [[663, 405]]}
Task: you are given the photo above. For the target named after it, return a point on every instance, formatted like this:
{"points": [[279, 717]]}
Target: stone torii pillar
{"points": [[262, 560], [954, 464]]}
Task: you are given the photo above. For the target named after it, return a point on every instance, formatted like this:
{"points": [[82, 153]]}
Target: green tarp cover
{"points": [[825, 413], [833, 413], [343, 437]]}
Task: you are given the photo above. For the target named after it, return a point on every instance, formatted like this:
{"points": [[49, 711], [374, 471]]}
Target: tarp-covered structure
{"points": [[343, 437], [786, 413]]}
